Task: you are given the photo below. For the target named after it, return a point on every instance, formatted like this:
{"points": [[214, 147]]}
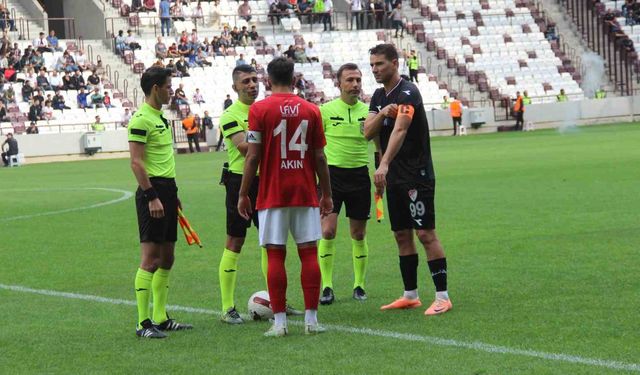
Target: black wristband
{"points": [[150, 194]]}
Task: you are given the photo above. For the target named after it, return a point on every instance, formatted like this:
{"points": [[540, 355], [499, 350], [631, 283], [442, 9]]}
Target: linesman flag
{"points": [[379, 206], [190, 234]]}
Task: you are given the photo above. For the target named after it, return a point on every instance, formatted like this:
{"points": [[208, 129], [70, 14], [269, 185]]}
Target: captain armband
{"points": [[406, 110]]}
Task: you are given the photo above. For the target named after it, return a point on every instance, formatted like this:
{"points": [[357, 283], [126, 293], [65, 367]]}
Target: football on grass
{"points": [[259, 306]]}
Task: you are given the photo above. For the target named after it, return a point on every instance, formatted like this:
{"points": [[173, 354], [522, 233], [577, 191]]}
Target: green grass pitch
{"points": [[541, 231]]}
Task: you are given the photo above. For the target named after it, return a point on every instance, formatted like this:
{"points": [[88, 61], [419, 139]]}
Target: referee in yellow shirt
{"points": [[153, 164], [347, 155]]}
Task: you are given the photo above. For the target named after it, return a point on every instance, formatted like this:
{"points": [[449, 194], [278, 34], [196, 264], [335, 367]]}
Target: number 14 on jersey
{"points": [[296, 143]]}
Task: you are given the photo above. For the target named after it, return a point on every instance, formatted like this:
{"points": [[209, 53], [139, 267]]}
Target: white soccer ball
{"points": [[259, 306]]}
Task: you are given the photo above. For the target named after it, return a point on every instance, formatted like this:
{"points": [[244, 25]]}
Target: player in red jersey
{"points": [[287, 140]]}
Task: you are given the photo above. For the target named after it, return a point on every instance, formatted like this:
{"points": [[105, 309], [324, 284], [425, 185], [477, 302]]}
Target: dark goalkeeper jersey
{"points": [[413, 162]]}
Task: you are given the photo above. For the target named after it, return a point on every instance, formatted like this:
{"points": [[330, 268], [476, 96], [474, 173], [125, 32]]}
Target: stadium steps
{"points": [[34, 28], [572, 37], [116, 64], [438, 67]]}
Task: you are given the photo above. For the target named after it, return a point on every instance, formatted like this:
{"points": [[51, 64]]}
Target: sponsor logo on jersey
{"points": [[290, 110], [413, 194]]}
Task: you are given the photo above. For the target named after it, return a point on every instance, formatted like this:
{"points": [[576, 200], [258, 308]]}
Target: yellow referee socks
{"points": [[142, 285], [326, 253], [360, 253], [227, 274], [160, 285]]}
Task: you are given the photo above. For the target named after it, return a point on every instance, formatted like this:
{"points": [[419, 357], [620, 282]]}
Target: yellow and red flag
{"points": [[189, 234], [379, 207]]}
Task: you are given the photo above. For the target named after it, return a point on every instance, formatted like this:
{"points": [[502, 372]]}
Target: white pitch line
{"points": [[432, 340], [125, 195]]}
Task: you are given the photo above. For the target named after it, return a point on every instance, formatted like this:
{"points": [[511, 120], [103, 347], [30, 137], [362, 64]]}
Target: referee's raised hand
{"points": [[156, 210]]}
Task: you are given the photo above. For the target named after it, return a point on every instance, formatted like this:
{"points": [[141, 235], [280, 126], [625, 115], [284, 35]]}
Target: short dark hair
{"points": [[347, 66], [280, 71], [153, 76], [244, 68], [388, 50]]}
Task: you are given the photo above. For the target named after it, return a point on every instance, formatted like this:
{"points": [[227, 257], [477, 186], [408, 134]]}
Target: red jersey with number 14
{"points": [[290, 130]]}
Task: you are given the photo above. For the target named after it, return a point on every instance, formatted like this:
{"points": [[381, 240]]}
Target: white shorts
{"points": [[275, 224]]}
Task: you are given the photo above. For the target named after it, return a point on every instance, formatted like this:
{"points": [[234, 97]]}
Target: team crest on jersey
{"points": [[290, 110], [413, 194]]}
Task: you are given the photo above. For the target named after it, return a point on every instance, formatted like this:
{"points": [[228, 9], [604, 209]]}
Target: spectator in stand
{"points": [[217, 47], [53, 41], [106, 100], [290, 53], [186, 11], [244, 11], [379, 10], [183, 49], [179, 96], [55, 81], [300, 56], [194, 40], [227, 102], [59, 102], [165, 17], [35, 111], [31, 77], [121, 44], [201, 58], [126, 116], [41, 43], [47, 110], [136, 6], [275, 13], [93, 81], [3, 112], [214, 13], [37, 60], [161, 49], [32, 129], [131, 42], [312, 54], [207, 121], [5, 19], [253, 34], [158, 63], [97, 100], [277, 52], [98, 126], [69, 63], [241, 60], [176, 12], [305, 8], [396, 19], [37, 95], [254, 64], [81, 99], [173, 51], [197, 97], [149, 5], [9, 95], [27, 91], [225, 37], [67, 82], [198, 13], [81, 60], [78, 80], [356, 13], [171, 66], [182, 68], [43, 82], [243, 37]]}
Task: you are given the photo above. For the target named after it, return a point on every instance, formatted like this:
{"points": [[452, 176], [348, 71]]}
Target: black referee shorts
{"points": [[236, 224], [412, 206], [164, 229], [351, 187]]}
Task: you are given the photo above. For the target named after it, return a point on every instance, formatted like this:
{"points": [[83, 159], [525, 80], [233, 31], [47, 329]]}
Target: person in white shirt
{"points": [[312, 54], [197, 97], [326, 17], [130, 41], [356, 14], [278, 51], [126, 116], [41, 44], [32, 77], [81, 60], [55, 81]]}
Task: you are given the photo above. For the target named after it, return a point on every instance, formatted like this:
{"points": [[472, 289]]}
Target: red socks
{"points": [[310, 277], [277, 279]]}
